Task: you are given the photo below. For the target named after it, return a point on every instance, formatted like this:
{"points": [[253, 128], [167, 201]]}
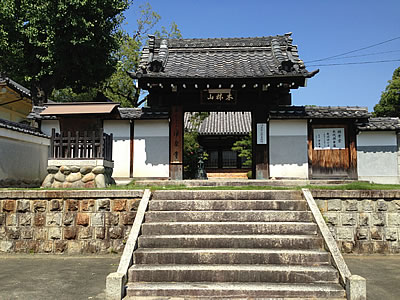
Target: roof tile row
{"points": [[258, 57], [23, 128]]}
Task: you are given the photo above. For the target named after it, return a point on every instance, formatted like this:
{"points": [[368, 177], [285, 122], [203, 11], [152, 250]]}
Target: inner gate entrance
{"points": [[228, 74]]}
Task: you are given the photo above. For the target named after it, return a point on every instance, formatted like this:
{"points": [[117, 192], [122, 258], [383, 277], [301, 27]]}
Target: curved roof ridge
{"points": [[259, 57]]}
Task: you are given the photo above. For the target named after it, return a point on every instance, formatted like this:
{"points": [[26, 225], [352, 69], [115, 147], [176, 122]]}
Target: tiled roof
{"points": [[35, 114], [23, 128], [257, 57], [16, 86], [380, 124], [240, 122], [337, 112], [125, 113], [221, 123], [141, 113], [321, 112]]}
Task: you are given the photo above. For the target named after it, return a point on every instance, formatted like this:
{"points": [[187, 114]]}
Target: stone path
{"points": [[83, 277], [49, 277], [382, 274]]}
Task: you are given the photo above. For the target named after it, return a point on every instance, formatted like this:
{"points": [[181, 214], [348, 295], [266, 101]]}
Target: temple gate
{"points": [[227, 74]]}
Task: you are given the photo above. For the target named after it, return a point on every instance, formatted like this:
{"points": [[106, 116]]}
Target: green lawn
{"points": [[357, 185]]}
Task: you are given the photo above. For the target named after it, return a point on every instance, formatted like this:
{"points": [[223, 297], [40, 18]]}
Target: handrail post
{"points": [[76, 150], [101, 136], [111, 146], [53, 134], [94, 144]]}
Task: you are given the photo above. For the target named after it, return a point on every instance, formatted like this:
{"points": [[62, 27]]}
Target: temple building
{"points": [[244, 84]]}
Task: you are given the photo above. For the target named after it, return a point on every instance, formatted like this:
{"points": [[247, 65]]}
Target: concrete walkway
{"points": [[382, 274], [83, 277], [50, 277]]}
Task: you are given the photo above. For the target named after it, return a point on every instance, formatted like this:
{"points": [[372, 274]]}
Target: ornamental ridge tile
{"points": [[255, 57]]}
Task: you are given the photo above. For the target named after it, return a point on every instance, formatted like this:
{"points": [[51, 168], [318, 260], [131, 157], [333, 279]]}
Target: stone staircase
{"points": [[231, 245]]}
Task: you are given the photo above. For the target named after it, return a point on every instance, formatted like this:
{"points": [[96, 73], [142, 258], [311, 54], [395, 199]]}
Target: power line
{"points": [[356, 50], [354, 63], [362, 55]]}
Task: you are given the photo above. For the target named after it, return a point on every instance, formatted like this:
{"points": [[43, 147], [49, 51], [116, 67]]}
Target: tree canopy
{"points": [[119, 86], [58, 44], [389, 104]]}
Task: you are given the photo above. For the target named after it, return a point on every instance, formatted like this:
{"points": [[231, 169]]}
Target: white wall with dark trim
{"points": [[23, 157], [47, 125], [121, 145], [151, 149], [377, 156], [288, 149]]}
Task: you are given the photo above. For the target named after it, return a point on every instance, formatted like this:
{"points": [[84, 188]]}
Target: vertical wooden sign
{"points": [[176, 142], [260, 142]]}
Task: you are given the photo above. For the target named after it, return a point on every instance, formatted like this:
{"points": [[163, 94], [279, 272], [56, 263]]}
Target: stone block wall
{"points": [[362, 222], [76, 176], [73, 222]]}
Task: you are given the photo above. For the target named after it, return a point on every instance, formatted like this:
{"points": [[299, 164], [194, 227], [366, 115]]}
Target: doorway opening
{"points": [[222, 140]]}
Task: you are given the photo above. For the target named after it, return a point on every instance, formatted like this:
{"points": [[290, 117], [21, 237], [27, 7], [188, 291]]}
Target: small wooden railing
{"points": [[81, 145]]}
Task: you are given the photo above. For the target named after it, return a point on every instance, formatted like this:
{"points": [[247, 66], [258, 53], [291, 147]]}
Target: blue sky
{"points": [[321, 28]]}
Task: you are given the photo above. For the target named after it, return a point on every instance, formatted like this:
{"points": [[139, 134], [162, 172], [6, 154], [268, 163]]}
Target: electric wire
{"points": [[367, 54], [354, 63], [356, 50]]}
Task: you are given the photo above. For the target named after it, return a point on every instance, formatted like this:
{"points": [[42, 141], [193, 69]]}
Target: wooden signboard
{"points": [[331, 151], [218, 96], [176, 132], [329, 138], [261, 133]]}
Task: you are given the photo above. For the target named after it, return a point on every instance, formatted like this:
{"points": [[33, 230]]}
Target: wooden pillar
{"points": [[176, 143], [260, 142], [352, 133], [131, 147]]}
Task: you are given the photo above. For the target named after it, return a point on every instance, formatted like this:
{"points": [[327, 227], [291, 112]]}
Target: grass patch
{"points": [[245, 187], [357, 185]]}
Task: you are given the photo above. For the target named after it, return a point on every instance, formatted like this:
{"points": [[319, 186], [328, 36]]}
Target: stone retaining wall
{"points": [[362, 222], [73, 222], [74, 175], [99, 221]]}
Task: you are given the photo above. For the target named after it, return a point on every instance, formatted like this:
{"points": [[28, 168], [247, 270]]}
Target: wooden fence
{"points": [[81, 145]]}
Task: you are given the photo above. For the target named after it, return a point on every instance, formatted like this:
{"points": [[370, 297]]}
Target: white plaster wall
{"points": [[288, 148], [47, 125], [146, 128], [121, 145], [288, 128], [377, 138], [151, 149], [22, 156], [377, 157]]}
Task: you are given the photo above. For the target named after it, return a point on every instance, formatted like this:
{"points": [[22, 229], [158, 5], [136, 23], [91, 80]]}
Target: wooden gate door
{"points": [[332, 152]]}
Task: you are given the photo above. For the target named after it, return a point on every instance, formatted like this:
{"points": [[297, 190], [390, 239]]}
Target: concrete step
{"points": [[227, 195], [233, 273], [192, 205], [160, 228], [229, 216], [230, 256], [268, 241], [227, 290]]}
